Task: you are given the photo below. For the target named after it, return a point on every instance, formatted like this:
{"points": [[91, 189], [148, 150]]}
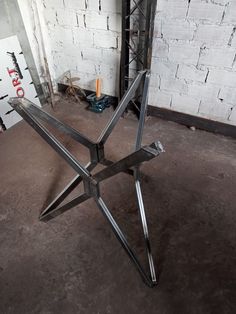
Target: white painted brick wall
{"points": [[228, 94], [230, 16], [191, 73], [84, 37], [180, 30], [232, 116], [185, 103], [183, 53], [205, 11], [165, 69], [173, 8], [205, 91], [194, 58], [223, 57], [111, 6], [162, 99], [194, 50], [213, 35], [173, 85], [216, 110], [160, 48], [155, 81], [222, 77]]}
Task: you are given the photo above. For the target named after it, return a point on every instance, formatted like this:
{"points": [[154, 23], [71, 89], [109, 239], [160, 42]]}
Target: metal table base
{"points": [[130, 164]]}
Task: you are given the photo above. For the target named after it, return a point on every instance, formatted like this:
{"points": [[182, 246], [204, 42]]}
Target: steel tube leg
{"points": [[64, 193], [137, 176], [121, 108], [60, 197], [144, 225], [142, 112], [62, 127], [60, 210], [122, 239], [52, 141]]}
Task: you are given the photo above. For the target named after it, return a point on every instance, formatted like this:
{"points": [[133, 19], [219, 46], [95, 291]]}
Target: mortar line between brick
{"points": [[189, 1], [231, 36], [234, 61], [207, 75]]}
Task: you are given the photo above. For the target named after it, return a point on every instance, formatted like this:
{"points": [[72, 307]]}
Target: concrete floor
{"points": [[74, 264]]}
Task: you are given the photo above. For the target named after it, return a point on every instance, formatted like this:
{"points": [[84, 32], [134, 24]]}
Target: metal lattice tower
{"points": [[136, 51]]}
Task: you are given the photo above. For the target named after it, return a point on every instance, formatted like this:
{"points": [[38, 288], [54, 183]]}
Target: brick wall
{"points": [[79, 35], [193, 66], [85, 38], [194, 54]]}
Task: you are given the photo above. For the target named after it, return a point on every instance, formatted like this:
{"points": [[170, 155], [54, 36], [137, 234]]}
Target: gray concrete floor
{"points": [[74, 264]]}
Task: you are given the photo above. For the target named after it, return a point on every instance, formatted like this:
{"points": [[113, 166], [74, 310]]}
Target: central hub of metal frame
{"points": [[130, 164]]}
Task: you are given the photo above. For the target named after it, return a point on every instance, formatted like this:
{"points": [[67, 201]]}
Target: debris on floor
{"points": [[73, 89]]}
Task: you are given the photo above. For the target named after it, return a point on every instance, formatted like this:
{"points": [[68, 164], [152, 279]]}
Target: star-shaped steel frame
{"points": [[130, 164]]}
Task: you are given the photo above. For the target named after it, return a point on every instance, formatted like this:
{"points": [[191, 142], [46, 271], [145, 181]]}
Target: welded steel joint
{"points": [[129, 164]]}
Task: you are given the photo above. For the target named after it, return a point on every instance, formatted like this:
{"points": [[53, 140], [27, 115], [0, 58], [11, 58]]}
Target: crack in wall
{"points": [[159, 87], [202, 49], [77, 19], [117, 42], [218, 3], [233, 63], [176, 73], [195, 31], [232, 36], [208, 71], [218, 95], [231, 112], [57, 17], [222, 19], [189, 2], [223, 15], [199, 106]]}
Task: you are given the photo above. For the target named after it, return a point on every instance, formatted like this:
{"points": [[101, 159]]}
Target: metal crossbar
{"points": [[130, 164]]}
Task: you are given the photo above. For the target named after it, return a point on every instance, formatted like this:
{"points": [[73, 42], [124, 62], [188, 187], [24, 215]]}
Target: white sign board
{"points": [[15, 79]]}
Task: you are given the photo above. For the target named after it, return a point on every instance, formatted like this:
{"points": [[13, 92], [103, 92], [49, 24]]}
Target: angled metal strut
{"points": [[130, 164]]}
